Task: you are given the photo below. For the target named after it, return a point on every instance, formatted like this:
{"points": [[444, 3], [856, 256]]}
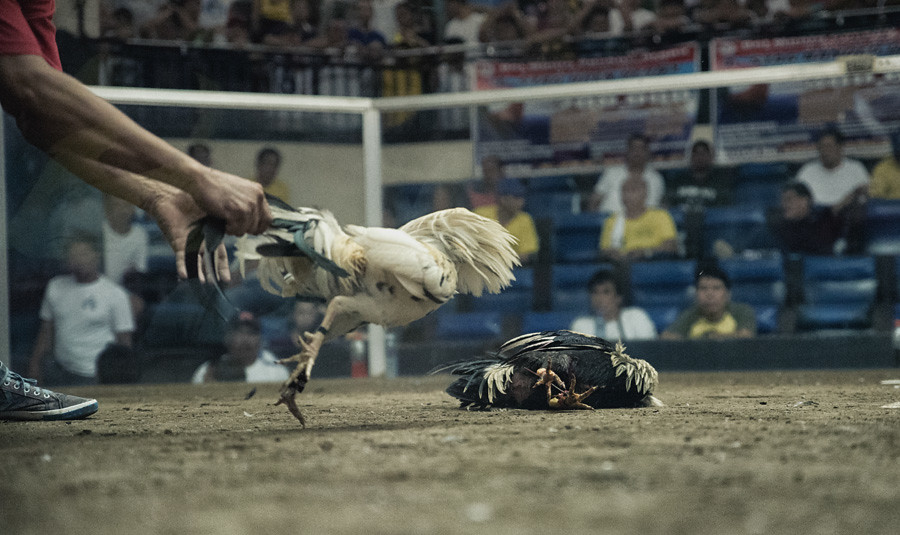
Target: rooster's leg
{"points": [[311, 344], [576, 401]]}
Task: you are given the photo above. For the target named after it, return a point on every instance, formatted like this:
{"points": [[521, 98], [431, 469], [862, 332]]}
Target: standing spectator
{"points": [[270, 17], [593, 18], [362, 35], [463, 22], [607, 192], [268, 163], [638, 232], [610, 319], [671, 17], [713, 315], [504, 24], [702, 184], [886, 175], [244, 359], [125, 245], [81, 314], [840, 183], [508, 211], [484, 192], [409, 33], [298, 31], [801, 226], [722, 14]]}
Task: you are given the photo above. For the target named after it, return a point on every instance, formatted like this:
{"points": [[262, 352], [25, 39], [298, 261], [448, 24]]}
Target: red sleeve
{"points": [[26, 28]]}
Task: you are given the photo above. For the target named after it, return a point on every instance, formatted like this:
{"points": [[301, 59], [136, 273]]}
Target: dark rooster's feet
{"points": [[566, 399]]}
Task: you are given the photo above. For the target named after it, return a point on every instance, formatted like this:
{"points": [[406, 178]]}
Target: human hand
{"points": [[240, 202], [176, 213]]}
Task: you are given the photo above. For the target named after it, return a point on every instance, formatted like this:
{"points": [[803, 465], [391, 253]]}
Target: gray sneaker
{"points": [[20, 399]]}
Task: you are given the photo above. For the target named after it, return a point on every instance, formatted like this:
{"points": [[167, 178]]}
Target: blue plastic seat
{"points": [[882, 224], [662, 315], [552, 205], [516, 298], [743, 227], [769, 171], [547, 321], [756, 281], [759, 193], [469, 325], [576, 238], [829, 316], [838, 292], [666, 282], [766, 318]]}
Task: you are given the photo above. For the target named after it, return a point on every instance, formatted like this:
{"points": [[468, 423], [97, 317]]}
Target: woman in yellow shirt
{"points": [[508, 211]]}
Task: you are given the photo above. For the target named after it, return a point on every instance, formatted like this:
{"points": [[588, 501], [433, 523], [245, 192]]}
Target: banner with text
{"points": [[781, 121], [586, 131]]}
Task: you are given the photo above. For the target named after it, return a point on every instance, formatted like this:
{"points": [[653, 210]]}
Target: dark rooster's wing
{"points": [[507, 379]]}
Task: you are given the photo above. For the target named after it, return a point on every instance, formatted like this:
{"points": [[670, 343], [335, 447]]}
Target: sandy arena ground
{"points": [[731, 453]]}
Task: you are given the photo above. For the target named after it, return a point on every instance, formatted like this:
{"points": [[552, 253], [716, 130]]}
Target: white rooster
{"points": [[374, 275]]}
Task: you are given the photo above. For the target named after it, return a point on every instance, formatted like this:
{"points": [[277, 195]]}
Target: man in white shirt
{"points": [[125, 245], [611, 320], [81, 314], [607, 192], [244, 359], [842, 184], [463, 23]]}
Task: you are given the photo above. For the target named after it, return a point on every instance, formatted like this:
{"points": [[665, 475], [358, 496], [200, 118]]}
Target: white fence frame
{"points": [[372, 108]]}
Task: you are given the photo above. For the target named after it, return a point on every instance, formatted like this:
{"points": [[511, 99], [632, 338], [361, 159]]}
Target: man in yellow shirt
{"points": [[508, 211], [639, 232], [268, 162], [886, 175], [713, 315]]}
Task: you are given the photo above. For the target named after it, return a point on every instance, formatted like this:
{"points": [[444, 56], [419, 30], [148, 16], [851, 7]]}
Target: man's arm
{"points": [[61, 116]]}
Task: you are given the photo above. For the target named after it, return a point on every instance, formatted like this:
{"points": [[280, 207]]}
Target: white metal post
{"points": [[373, 202]]}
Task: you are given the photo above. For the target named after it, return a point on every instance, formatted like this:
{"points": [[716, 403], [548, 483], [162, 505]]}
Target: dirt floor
{"points": [[731, 453]]}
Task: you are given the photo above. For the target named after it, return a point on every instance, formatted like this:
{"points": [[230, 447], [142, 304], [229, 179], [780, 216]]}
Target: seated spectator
{"points": [[628, 17], [125, 245], [298, 31], [801, 227], [505, 24], [334, 35], [244, 359], [463, 22], [270, 18], [671, 17], [362, 36], [237, 26], [484, 192], [886, 175], [722, 14], [176, 20], [610, 319], [840, 183], [410, 32], [508, 211], [607, 191], [118, 25], [702, 184], [200, 152], [268, 163], [554, 22], [638, 232], [713, 315], [593, 18], [81, 314]]}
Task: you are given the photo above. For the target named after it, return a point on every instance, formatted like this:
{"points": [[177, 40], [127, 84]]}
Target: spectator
{"points": [[125, 245], [722, 14], [607, 198], [334, 35], [484, 192], [244, 359], [463, 22], [508, 211], [237, 26], [369, 41], [268, 163], [299, 31], [118, 25], [200, 152], [176, 20], [628, 17], [593, 18], [713, 315], [81, 314], [841, 184], [702, 184], [638, 232], [886, 175], [671, 17], [505, 24], [610, 320], [554, 22], [270, 18], [801, 226], [410, 33]]}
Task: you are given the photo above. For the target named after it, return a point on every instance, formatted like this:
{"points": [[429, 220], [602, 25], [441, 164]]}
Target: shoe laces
{"points": [[27, 385]]}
